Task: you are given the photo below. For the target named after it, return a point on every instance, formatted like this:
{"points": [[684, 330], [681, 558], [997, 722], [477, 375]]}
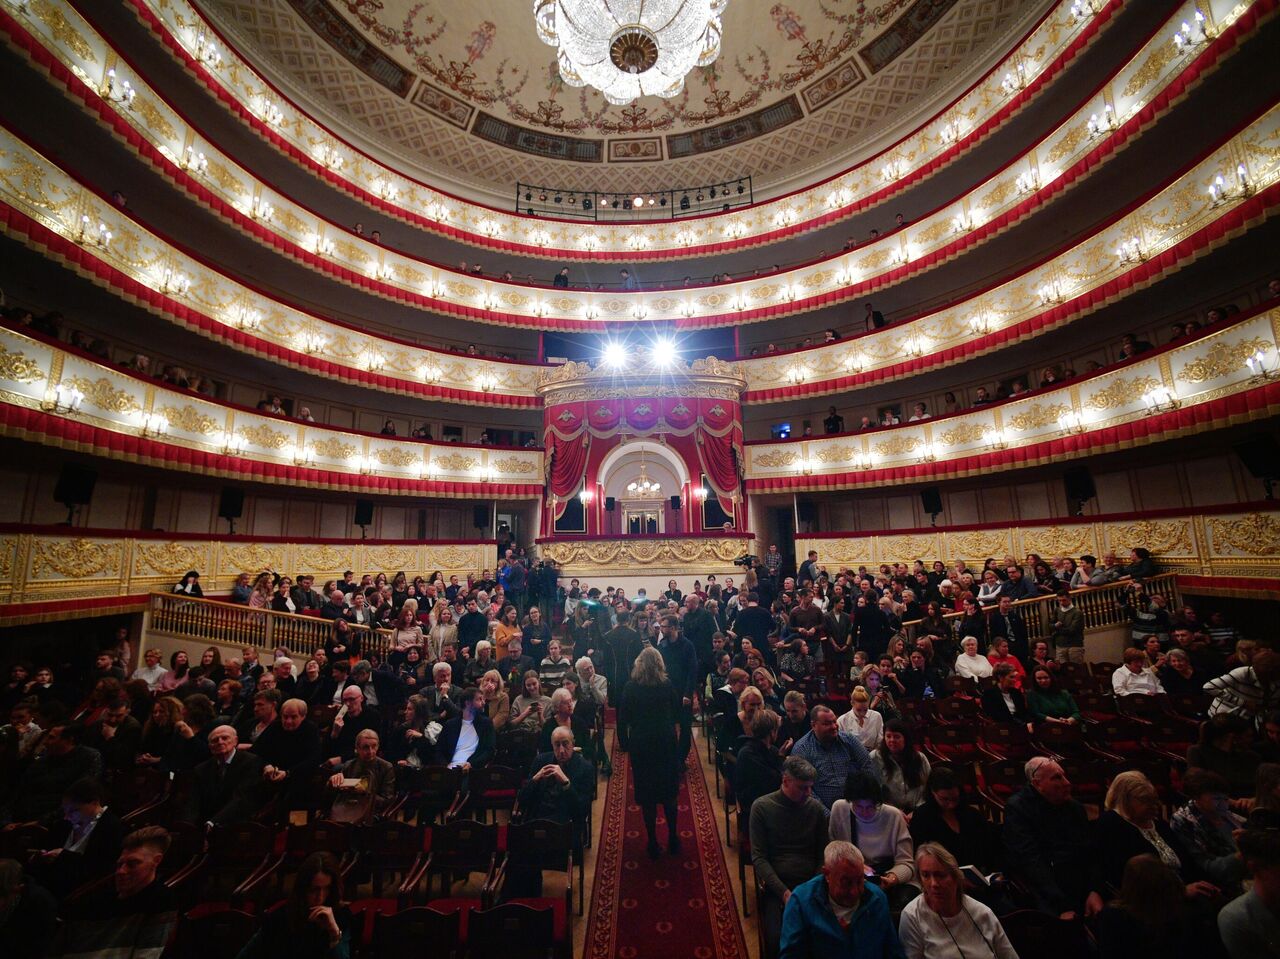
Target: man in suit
{"points": [[622, 645], [82, 845], [467, 740], [335, 607], [228, 785], [840, 637], [1008, 622], [514, 665], [1004, 702], [303, 596]]}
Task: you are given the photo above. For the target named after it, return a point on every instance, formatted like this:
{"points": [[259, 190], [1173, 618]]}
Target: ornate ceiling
{"points": [[464, 90]]}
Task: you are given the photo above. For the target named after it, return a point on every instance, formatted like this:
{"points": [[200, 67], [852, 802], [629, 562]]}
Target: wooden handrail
{"points": [[1097, 603], [217, 621]]}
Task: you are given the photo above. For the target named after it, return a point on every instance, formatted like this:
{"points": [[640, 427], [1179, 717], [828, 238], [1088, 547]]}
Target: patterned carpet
{"points": [[675, 907]]}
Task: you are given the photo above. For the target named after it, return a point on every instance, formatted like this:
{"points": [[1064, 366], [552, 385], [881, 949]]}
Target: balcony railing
{"points": [[1099, 604], [644, 205], [230, 624]]}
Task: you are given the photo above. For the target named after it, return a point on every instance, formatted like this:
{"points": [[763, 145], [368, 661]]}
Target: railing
{"points": [[1099, 604], [230, 624], [644, 205]]}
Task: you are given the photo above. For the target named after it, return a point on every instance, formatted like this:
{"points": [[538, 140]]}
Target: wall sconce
{"points": [[590, 242], [382, 272], [1130, 251], [487, 382], [951, 132], [154, 424], [118, 91], [1258, 368], [735, 231], [928, 453], [231, 443], [893, 170], [486, 474], [1071, 422], [1028, 181], [373, 361], [323, 247], [20, 5], [687, 309], [365, 464], [855, 362], [1082, 10], [329, 157], [1223, 193], [638, 241], [684, 238], [100, 238], [489, 302], [999, 440], [590, 311], [1102, 124], [797, 374], [271, 113], [489, 228], [915, 345], [206, 52], [432, 374], [247, 319], [174, 283], [1193, 34], [980, 324], [1051, 293], [585, 496], [700, 493], [303, 455], [261, 210], [1016, 79], [313, 342], [1160, 400], [805, 465], [64, 398], [193, 161], [428, 470], [962, 223], [639, 311]]}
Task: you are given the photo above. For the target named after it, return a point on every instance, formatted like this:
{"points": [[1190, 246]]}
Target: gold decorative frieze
{"points": [[1121, 393], [512, 465], [1255, 534], [455, 462], [779, 459], [265, 437], [1162, 537], [18, 367], [190, 420], [623, 555], [1221, 360], [171, 560], [333, 448], [1037, 417], [979, 544], [103, 394], [898, 445], [74, 558], [397, 457], [963, 433]]}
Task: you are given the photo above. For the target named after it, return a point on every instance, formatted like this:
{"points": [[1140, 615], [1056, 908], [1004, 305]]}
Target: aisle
{"points": [[677, 906]]}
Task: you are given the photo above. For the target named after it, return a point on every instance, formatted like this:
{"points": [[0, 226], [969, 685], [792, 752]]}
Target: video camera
{"points": [[747, 560]]}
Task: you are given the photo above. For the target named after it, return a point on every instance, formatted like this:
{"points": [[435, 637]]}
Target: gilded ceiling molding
{"points": [[163, 136], [1041, 54]]}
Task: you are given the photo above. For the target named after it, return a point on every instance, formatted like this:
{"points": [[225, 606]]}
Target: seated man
{"points": [[1048, 843], [1250, 924], [353, 717], [228, 785], [290, 750], [82, 845], [788, 834], [63, 761], [443, 695], [116, 737], [467, 740], [512, 666], [838, 914], [364, 786], [1004, 702], [561, 786], [834, 754], [133, 916]]}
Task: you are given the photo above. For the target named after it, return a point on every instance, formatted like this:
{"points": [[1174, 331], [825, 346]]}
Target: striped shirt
{"points": [[1240, 693]]}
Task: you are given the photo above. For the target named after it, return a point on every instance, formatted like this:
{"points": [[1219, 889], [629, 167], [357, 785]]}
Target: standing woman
{"points": [[444, 632], [508, 628], [673, 592], [649, 730]]}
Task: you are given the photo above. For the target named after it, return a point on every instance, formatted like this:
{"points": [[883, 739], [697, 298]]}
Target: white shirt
{"points": [[152, 675], [468, 743], [1126, 682], [973, 667], [973, 932], [870, 731]]}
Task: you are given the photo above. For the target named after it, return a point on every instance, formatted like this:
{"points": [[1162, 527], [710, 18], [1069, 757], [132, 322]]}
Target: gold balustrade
{"points": [[229, 624]]}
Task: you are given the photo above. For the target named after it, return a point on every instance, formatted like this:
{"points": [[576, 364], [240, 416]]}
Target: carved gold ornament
{"points": [[1059, 540], [778, 459], [102, 394], [254, 558], [75, 558], [1037, 417], [17, 367], [456, 462], [898, 445], [156, 122], [323, 559], [265, 437], [979, 544], [8, 546], [389, 559], [1120, 393], [1256, 534], [964, 433], [334, 448], [914, 547], [1150, 70], [511, 464], [1223, 359], [1171, 538], [624, 554], [450, 557], [62, 30], [190, 420], [167, 559], [397, 457], [836, 454]]}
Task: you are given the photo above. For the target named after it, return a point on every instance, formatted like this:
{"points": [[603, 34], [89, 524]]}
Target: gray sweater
{"points": [[787, 841]]}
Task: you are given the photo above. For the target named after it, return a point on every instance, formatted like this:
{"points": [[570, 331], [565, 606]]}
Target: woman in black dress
{"points": [[649, 729]]}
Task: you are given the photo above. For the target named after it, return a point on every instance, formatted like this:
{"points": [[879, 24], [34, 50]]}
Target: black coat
{"points": [[1116, 841], [995, 708], [647, 724], [232, 797], [757, 772], [448, 741]]}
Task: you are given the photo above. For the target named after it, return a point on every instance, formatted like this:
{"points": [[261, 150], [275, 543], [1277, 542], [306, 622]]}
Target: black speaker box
{"points": [[480, 516], [610, 504], [364, 512], [231, 503], [1078, 482], [931, 500], [1261, 456], [675, 502], [75, 485]]}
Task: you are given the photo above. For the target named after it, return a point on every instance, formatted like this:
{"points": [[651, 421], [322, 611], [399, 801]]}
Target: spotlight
{"points": [[542, 198], [664, 352], [662, 201], [614, 204], [699, 198], [528, 196], [713, 193], [615, 355], [684, 202], [573, 200], [559, 198], [586, 203], [651, 201], [741, 189], [637, 203]]}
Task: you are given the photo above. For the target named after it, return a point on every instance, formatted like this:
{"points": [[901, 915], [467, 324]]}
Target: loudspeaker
{"points": [[609, 504], [806, 512], [1079, 484], [480, 516], [675, 502], [931, 500], [364, 512], [231, 503], [1261, 456], [75, 486]]}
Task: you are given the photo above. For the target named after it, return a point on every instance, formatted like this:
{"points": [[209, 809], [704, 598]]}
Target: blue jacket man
{"points": [[837, 915]]}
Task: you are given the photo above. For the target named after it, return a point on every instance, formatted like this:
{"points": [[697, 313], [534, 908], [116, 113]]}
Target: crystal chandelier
{"points": [[630, 48], [644, 486]]}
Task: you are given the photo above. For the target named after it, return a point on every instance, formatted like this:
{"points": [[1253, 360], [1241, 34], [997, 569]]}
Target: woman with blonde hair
{"points": [[649, 731], [944, 923], [861, 721], [260, 596], [443, 630], [496, 701], [1131, 826]]}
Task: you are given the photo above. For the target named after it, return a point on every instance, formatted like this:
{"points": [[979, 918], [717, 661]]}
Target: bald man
{"points": [[228, 785]]}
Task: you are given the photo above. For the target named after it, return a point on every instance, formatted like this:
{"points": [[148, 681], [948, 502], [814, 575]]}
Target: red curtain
{"points": [[568, 463], [720, 464]]}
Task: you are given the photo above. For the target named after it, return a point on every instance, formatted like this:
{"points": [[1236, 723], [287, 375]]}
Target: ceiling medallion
{"points": [[630, 48]]}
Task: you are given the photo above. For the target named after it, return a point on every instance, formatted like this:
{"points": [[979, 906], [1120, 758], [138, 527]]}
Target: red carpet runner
{"points": [[677, 906]]}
